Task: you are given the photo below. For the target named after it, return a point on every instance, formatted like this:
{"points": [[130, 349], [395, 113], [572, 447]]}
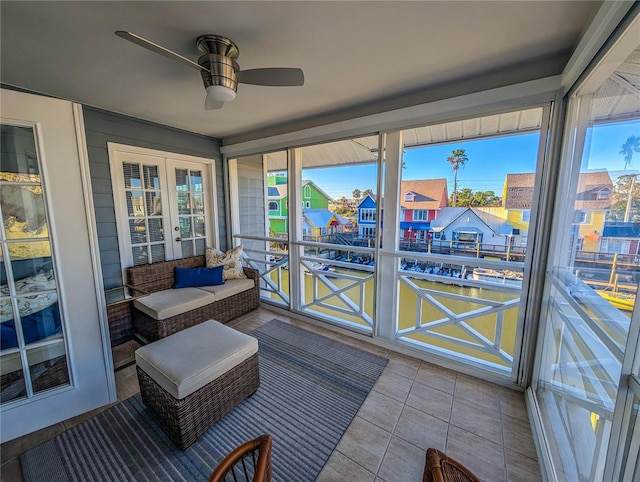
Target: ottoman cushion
{"points": [[186, 361]]}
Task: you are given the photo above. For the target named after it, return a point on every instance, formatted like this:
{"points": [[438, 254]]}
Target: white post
{"points": [[387, 287]]}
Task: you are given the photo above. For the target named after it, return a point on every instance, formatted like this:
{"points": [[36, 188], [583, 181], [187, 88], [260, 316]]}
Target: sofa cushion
{"points": [[231, 261], [194, 277], [186, 361], [229, 288], [167, 303]]}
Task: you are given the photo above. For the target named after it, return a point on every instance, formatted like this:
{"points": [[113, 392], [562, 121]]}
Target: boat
{"points": [[505, 277], [622, 301]]}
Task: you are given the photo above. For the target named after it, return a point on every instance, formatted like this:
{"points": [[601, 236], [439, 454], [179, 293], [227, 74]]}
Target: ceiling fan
{"points": [[219, 69]]}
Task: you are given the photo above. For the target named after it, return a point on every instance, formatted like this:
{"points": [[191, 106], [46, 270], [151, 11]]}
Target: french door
{"points": [[54, 359], [164, 204]]}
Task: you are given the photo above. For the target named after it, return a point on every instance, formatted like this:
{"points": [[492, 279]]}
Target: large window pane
{"points": [[466, 197], [339, 225], [594, 273]]}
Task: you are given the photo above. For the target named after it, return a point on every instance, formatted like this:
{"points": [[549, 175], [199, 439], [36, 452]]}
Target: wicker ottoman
{"points": [[191, 379]]}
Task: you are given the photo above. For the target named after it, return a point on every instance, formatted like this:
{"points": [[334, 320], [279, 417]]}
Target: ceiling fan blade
{"points": [[210, 104], [159, 49], [273, 77]]}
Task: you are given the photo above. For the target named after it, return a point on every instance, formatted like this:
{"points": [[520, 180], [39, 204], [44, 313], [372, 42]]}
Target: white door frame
{"points": [[60, 141], [209, 169]]}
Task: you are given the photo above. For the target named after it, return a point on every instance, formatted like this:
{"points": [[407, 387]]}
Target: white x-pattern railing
{"points": [[426, 297], [321, 276]]}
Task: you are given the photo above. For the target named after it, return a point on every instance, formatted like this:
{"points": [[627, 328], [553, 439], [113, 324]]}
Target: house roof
{"points": [[519, 190], [279, 191], [429, 194], [447, 216], [321, 218]]}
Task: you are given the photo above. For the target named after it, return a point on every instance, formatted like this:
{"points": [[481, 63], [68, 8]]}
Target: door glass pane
{"points": [[191, 208], [156, 231], [198, 226], [48, 366], [12, 382], [151, 178], [154, 204], [197, 204], [185, 227], [29, 310], [183, 203], [182, 180], [157, 252], [132, 175], [188, 249], [144, 210], [594, 271], [195, 180]]}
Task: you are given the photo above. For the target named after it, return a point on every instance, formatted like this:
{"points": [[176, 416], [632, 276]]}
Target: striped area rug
{"points": [[311, 388]]}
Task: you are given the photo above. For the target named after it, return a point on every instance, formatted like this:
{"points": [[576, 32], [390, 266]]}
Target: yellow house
{"points": [[594, 194]]}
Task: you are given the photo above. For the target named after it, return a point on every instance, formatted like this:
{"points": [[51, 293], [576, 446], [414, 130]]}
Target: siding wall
{"points": [[103, 127], [251, 200]]}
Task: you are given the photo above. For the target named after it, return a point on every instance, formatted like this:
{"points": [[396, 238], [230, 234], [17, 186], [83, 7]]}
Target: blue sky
{"points": [[490, 160]]}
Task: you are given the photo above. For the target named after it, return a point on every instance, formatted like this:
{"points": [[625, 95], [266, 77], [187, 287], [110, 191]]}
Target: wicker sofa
{"points": [[235, 298]]}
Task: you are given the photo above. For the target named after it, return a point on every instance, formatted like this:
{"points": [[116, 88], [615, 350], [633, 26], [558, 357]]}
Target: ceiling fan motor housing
{"points": [[219, 56]]}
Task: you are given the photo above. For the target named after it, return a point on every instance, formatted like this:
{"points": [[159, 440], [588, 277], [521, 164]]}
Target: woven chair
{"points": [[252, 457], [440, 468]]}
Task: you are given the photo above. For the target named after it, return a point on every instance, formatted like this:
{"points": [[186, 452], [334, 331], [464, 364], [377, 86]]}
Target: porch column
{"points": [[294, 192], [387, 264]]}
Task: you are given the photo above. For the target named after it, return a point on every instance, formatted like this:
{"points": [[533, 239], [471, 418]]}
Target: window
{"points": [[307, 204], [526, 215], [590, 296], [420, 215], [306, 192], [409, 197], [368, 214], [273, 206], [582, 217]]}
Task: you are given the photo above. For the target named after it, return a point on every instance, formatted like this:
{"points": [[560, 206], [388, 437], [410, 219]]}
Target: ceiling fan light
{"points": [[220, 93]]}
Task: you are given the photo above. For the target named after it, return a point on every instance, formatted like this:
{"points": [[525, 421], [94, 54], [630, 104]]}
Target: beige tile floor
{"points": [[413, 406]]}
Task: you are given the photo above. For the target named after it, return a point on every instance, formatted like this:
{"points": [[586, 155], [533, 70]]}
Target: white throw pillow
{"points": [[231, 261]]}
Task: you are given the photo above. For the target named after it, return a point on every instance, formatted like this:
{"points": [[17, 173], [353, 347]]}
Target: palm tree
{"points": [[631, 145], [457, 158]]}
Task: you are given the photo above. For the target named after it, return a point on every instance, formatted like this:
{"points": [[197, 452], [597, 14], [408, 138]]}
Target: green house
{"points": [[278, 201]]}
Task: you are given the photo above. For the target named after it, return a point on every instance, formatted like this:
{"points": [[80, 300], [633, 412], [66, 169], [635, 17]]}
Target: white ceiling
{"points": [[353, 54]]}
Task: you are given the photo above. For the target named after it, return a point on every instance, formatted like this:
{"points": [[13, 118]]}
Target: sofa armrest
{"points": [[252, 273]]}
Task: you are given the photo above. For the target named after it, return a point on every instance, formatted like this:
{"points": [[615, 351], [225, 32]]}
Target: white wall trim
{"points": [[547, 467], [85, 174], [503, 98]]}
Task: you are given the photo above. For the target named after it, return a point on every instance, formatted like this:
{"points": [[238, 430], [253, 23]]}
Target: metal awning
{"points": [[415, 225]]}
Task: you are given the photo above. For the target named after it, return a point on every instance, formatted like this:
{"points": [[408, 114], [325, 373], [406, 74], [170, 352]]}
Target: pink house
{"points": [[420, 202]]}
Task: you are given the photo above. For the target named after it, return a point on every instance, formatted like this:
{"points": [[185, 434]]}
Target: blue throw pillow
{"points": [[194, 277]]}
